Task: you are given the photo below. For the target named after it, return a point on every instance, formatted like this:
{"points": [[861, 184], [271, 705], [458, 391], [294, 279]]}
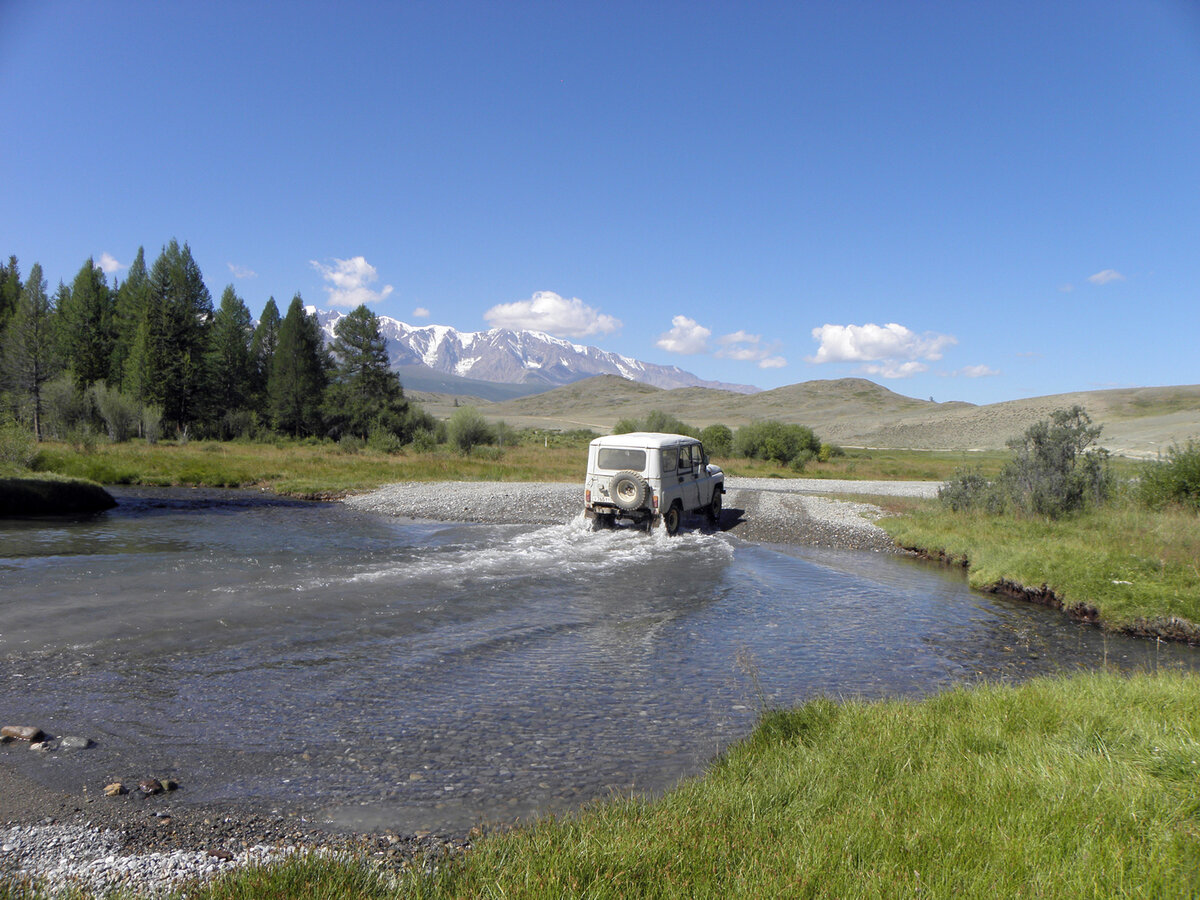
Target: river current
{"points": [[374, 672]]}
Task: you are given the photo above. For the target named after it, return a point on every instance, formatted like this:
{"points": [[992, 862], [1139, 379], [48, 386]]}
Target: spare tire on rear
{"points": [[629, 490]]}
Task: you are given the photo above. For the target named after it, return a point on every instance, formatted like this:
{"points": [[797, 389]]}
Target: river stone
{"points": [[74, 742], [22, 732], [115, 789], [150, 786]]}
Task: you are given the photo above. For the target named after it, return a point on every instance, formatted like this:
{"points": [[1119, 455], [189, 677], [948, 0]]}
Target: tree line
{"points": [[152, 355]]}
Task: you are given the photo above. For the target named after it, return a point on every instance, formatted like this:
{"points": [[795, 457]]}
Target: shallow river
{"points": [[373, 672]]}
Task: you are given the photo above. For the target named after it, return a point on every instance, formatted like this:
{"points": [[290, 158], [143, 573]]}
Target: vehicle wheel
{"points": [[629, 490], [671, 519], [603, 522], [714, 509]]}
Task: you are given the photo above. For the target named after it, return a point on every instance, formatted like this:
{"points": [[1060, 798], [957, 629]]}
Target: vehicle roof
{"points": [[643, 439]]}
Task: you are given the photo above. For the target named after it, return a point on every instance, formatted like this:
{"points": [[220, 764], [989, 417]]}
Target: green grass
{"points": [[1081, 786], [1137, 568]]}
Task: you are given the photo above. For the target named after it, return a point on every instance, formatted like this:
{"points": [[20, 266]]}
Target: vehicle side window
{"points": [[685, 458], [669, 459]]}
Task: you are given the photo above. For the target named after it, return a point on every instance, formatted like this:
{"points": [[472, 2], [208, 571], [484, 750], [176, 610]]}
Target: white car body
{"points": [[647, 478]]}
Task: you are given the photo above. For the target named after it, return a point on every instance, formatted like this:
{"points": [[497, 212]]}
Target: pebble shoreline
{"points": [[152, 845]]}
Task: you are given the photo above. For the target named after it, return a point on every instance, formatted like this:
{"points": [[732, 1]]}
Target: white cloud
{"points": [[742, 345], [686, 336], [1066, 288], [874, 343], [420, 313], [547, 311], [1105, 276], [241, 271], [348, 281], [980, 371], [108, 264], [893, 368]]}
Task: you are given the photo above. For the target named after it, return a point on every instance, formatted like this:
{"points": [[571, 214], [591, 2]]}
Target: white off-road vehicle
{"points": [[647, 479]]}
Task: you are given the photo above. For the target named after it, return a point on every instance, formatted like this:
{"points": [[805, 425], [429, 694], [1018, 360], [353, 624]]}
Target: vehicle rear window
{"points": [[621, 458]]}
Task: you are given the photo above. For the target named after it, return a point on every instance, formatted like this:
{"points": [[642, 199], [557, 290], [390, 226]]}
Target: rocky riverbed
{"points": [[150, 841]]}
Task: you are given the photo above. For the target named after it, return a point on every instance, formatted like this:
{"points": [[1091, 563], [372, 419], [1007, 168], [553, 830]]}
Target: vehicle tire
{"points": [[671, 519], [629, 490], [603, 522], [714, 509]]}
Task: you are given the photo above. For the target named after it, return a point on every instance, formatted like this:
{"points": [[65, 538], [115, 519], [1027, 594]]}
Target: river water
{"points": [[373, 672]]}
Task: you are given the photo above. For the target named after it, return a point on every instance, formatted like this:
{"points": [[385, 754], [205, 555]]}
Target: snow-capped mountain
{"points": [[516, 357]]}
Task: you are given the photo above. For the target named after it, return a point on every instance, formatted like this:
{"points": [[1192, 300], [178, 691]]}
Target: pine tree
{"points": [[130, 311], [229, 356], [171, 341], [30, 359], [365, 393], [86, 326], [10, 290], [262, 352], [298, 373]]}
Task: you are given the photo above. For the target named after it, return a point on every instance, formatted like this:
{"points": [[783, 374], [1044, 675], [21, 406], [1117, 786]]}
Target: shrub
{"points": [[828, 452], [383, 441], [626, 426], [18, 445], [350, 443], [775, 441], [424, 441], [152, 423], [1053, 472], [968, 490], [1173, 480], [121, 413], [717, 439], [467, 428]]}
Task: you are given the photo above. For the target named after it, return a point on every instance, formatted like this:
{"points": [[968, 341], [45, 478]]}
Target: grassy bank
{"points": [[323, 469], [1136, 569], [51, 495], [1067, 787]]}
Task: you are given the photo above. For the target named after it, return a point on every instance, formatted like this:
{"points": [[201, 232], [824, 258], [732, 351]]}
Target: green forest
{"points": [[152, 357]]}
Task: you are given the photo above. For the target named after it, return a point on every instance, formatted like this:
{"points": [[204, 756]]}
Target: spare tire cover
{"points": [[629, 490]]}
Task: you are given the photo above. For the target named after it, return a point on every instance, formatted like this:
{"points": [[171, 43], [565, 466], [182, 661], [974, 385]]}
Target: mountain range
{"points": [[534, 360]]}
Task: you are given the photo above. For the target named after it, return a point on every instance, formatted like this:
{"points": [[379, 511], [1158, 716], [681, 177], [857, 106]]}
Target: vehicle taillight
{"points": [[587, 497], [656, 501]]}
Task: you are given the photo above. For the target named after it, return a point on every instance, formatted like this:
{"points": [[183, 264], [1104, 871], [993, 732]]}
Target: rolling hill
{"points": [[859, 413]]}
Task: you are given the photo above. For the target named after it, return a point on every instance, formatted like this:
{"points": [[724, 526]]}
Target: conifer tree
{"points": [[365, 394], [262, 352], [86, 326], [130, 310], [172, 338], [298, 373], [30, 357], [229, 356], [10, 290]]}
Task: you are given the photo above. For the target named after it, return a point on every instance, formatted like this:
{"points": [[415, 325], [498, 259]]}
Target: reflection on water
{"points": [[411, 675]]}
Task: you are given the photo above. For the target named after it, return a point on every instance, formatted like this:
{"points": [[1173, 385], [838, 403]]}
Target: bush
{"points": [[1053, 471], [18, 445], [968, 491], [424, 441], [1175, 480], [775, 441], [383, 441], [828, 452], [350, 443], [467, 428], [626, 426], [717, 439], [121, 413], [152, 423]]}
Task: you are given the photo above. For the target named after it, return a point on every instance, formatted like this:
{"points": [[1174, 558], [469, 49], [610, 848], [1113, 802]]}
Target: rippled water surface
{"points": [[386, 673]]}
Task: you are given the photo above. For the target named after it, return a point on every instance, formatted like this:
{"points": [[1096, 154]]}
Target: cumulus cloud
{"points": [[747, 347], [887, 344], [348, 282], [1105, 276], [547, 311], [894, 368], [241, 271], [420, 313], [108, 264], [686, 336]]}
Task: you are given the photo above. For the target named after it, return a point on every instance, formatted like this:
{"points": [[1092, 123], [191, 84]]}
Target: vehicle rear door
{"points": [[689, 472]]}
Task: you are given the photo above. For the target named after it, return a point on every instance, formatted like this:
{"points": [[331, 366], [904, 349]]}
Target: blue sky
{"points": [[969, 201]]}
